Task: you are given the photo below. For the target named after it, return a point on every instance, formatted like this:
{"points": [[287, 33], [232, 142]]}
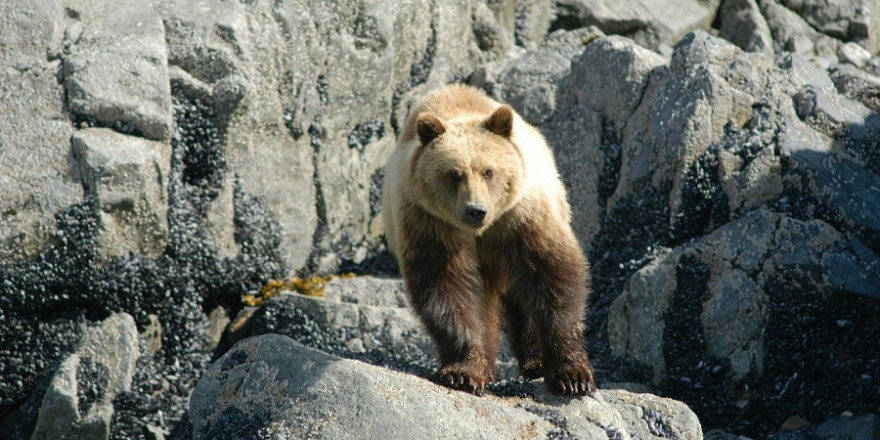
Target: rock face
{"points": [[272, 387], [36, 178], [738, 266], [163, 159]]}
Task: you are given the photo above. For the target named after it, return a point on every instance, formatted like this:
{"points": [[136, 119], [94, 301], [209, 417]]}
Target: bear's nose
{"points": [[475, 214]]}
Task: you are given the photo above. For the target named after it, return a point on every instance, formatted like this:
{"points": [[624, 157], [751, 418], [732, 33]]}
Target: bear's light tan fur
{"points": [[462, 105]]}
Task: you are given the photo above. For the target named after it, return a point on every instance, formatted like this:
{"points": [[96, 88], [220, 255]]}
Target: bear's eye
{"points": [[488, 174], [455, 177]]}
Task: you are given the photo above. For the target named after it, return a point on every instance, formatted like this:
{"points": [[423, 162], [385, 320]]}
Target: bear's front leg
{"points": [[551, 281], [444, 287]]}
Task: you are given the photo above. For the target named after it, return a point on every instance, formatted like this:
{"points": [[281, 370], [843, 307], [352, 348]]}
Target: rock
{"points": [[532, 22], [154, 433], [575, 133], [152, 335], [855, 20], [605, 85], [873, 66], [272, 386], [362, 317], [857, 84], [749, 185], [629, 327], [493, 26], [31, 36], [673, 126], [726, 200], [791, 33], [530, 82], [800, 72], [218, 321], [732, 270], [854, 54], [647, 23], [125, 87], [743, 24], [236, 91], [846, 186], [128, 178], [717, 434], [35, 175], [282, 123], [830, 113], [79, 400], [367, 291], [357, 315], [610, 77], [848, 181], [849, 427]]}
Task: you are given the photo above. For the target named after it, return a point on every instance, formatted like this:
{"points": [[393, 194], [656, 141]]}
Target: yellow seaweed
{"points": [[311, 286]]}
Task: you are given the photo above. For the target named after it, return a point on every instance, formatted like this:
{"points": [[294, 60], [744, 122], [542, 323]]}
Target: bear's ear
{"points": [[429, 128], [501, 121]]}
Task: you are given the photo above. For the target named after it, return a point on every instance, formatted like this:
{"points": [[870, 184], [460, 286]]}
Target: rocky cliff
{"points": [[161, 161]]}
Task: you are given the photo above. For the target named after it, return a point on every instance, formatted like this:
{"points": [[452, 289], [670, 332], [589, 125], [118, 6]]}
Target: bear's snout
{"points": [[475, 213]]}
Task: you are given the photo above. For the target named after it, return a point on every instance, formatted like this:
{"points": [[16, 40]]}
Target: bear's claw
{"points": [[464, 377], [572, 379]]}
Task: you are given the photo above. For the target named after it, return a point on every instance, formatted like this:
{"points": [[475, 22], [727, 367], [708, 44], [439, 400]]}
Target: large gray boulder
{"points": [[272, 387], [833, 139], [741, 261], [231, 120], [596, 82], [792, 33], [857, 84], [530, 81]]}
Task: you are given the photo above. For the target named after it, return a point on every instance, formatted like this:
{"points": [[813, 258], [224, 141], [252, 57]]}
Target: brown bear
{"points": [[477, 217]]}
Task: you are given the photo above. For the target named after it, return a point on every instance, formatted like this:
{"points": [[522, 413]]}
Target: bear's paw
{"points": [[469, 375], [574, 377]]}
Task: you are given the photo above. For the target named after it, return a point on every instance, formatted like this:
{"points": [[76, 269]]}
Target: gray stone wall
{"points": [[159, 160]]}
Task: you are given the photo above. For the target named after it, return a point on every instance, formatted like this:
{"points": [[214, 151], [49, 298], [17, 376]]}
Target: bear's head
{"points": [[467, 172]]}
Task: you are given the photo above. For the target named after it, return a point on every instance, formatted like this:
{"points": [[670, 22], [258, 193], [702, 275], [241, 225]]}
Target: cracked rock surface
{"points": [[273, 387]]}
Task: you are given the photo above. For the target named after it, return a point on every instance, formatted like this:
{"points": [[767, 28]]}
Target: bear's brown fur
{"points": [[477, 217]]}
